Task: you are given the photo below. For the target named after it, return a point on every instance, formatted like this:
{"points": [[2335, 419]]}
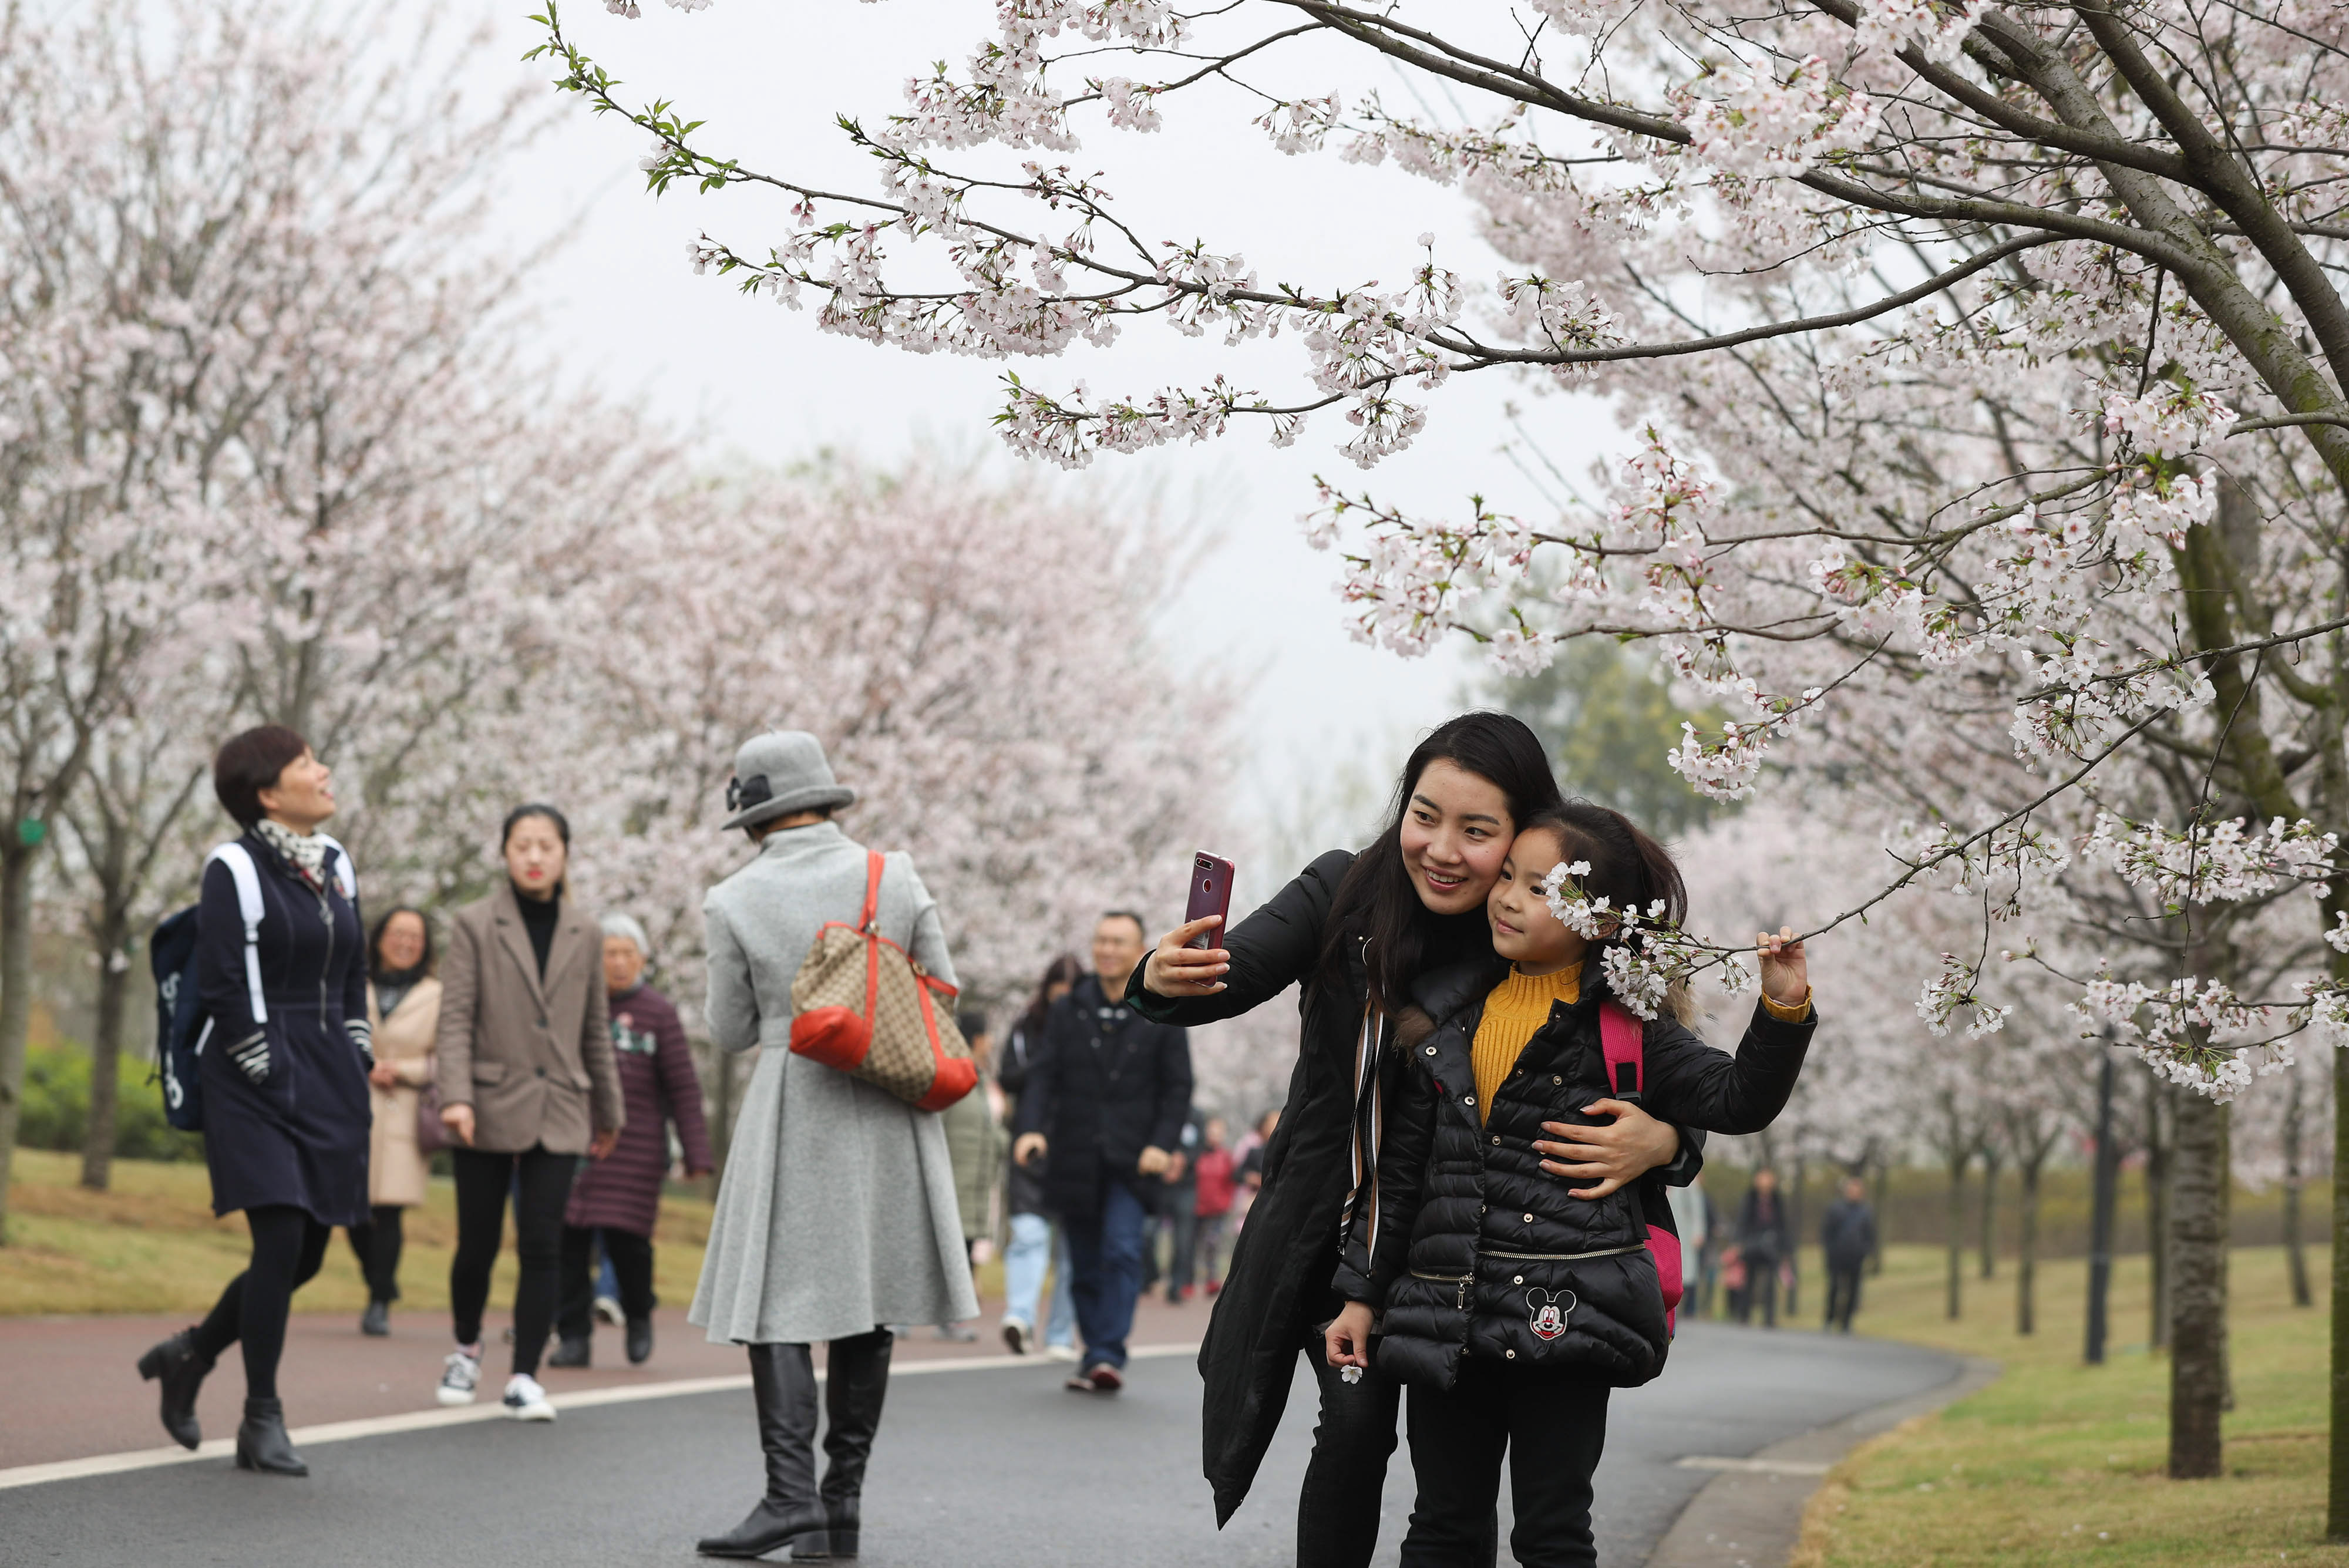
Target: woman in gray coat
{"points": [[837, 1212]]}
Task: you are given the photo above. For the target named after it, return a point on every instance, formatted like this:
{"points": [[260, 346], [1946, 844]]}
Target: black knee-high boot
{"points": [[782, 1380], [856, 1380]]}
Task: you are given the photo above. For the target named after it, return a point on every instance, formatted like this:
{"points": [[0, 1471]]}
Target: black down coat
{"points": [[1471, 1247], [299, 1136], [1278, 1287]]}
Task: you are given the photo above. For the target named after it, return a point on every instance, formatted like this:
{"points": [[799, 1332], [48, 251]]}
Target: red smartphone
{"points": [[1211, 894]]}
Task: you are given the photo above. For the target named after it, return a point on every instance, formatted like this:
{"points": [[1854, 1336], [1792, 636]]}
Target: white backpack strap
{"points": [[347, 877], [249, 905]]}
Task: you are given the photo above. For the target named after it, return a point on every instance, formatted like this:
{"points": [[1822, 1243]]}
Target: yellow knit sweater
{"points": [[1516, 1007]]}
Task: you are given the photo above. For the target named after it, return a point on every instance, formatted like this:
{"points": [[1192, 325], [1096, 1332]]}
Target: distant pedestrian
{"points": [[404, 1009], [1104, 1110], [836, 1215], [1847, 1235], [1035, 1241], [1212, 1205], [1699, 1244], [976, 1144], [284, 1080], [1764, 1241], [1180, 1204], [615, 1205], [527, 1085]]}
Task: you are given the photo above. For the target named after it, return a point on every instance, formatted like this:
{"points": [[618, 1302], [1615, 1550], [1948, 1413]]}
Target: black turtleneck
{"points": [[539, 917]]}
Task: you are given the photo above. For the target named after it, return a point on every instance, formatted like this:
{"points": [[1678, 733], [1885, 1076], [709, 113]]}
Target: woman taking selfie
{"points": [[404, 1006], [527, 1085], [1355, 930], [285, 1078]]}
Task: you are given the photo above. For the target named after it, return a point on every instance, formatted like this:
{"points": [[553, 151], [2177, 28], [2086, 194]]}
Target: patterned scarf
{"points": [[306, 853]]}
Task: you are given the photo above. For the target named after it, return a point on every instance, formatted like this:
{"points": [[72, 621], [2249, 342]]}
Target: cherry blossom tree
{"points": [[1982, 359]]}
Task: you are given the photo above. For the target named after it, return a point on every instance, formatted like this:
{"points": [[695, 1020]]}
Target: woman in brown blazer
{"points": [[527, 1085], [404, 1009]]}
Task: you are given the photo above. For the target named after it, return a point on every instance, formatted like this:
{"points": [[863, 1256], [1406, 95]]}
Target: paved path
{"points": [[982, 1464]]}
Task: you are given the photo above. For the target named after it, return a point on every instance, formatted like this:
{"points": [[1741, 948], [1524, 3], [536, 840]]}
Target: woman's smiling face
{"points": [[1455, 833]]}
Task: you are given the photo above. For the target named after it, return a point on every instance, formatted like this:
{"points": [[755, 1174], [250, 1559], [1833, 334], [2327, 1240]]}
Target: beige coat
{"points": [[533, 1058], [396, 1169]]}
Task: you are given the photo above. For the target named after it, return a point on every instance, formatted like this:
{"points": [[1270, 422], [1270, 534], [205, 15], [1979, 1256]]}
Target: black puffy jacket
{"points": [[1467, 1243]]}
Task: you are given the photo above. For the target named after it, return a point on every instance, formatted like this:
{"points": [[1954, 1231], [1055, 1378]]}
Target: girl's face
{"points": [[535, 857], [402, 945], [1455, 833], [1524, 931]]}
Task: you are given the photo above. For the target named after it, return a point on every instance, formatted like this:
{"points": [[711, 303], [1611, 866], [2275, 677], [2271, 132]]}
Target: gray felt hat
{"points": [[778, 773]]}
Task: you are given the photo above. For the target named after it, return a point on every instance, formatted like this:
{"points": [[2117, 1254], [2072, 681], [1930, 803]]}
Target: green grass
{"points": [[150, 1244], [2061, 1463]]}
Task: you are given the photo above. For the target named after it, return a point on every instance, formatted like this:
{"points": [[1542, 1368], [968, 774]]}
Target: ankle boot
{"points": [[856, 1380], [782, 1380], [262, 1444], [177, 1365]]}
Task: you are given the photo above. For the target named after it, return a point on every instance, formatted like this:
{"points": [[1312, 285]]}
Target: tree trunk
{"points": [[2026, 1244], [2198, 1267], [106, 1054], [15, 996], [1993, 1158], [1955, 1228], [1883, 1214], [2336, 1504], [2156, 1211], [2295, 1254]]}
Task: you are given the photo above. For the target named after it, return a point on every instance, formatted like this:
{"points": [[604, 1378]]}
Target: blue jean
{"points": [[1105, 1250], [1023, 1278]]}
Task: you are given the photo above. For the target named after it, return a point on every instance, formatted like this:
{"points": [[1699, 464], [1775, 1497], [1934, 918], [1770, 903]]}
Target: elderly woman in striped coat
{"points": [[615, 1203]]}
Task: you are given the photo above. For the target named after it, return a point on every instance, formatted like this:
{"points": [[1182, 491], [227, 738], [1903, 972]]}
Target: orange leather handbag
{"points": [[863, 1004]]}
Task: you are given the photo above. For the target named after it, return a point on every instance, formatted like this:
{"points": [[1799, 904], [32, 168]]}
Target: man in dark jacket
{"points": [[1848, 1236], [1104, 1106]]}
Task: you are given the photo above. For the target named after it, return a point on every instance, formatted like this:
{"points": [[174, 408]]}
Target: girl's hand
{"points": [[1633, 1145], [459, 1120], [1786, 976], [1175, 970], [1347, 1341]]}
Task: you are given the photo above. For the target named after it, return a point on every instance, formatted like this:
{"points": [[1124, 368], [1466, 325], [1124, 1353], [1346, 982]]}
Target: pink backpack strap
{"points": [[1622, 1038]]}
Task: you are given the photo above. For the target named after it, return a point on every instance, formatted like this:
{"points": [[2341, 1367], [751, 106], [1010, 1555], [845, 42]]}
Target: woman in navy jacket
{"points": [[285, 1094]]}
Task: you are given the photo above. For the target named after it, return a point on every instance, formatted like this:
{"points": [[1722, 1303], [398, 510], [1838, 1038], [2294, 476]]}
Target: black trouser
{"points": [[1843, 1294], [1338, 1506], [376, 1245], [1552, 1426], [541, 1183], [632, 1265], [1761, 1291], [287, 1248], [1186, 1262]]}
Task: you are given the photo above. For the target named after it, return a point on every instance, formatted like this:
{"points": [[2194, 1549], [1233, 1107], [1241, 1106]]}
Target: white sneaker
{"points": [[607, 1311], [525, 1401], [1060, 1353], [460, 1376]]}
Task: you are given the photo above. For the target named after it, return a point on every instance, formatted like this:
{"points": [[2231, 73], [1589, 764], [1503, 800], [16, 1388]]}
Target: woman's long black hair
{"points": [[1062, 971], [1376, 899]]}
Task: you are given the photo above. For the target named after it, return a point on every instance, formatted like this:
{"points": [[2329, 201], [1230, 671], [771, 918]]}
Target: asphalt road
{"points": [[976, 1467]]}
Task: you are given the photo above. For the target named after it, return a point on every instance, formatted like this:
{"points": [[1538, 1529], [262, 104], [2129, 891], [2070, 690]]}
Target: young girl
{"points": [[1511, 1306]]}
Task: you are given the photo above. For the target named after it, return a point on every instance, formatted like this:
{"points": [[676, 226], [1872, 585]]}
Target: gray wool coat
{"points": [[836, 1213]]}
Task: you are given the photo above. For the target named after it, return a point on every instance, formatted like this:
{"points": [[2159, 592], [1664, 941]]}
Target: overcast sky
{"points": [[620, 304]]}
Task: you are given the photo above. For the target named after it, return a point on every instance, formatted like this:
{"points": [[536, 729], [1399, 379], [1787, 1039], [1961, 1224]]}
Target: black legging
{"points": [[288, 1245], [541, 1183], [376, 1245]]}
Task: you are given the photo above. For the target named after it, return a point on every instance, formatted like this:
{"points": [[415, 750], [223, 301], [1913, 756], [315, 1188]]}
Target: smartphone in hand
{"points": [[1211, 894]]}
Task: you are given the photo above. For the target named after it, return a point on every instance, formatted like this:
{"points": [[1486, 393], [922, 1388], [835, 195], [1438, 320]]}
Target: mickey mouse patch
{"points": [[1547, 1312]]}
